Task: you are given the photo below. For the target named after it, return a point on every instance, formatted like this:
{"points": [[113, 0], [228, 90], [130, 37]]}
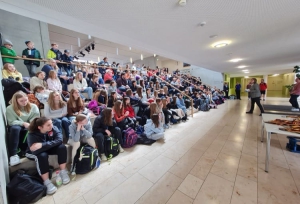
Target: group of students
{"points": [[135, 97]]}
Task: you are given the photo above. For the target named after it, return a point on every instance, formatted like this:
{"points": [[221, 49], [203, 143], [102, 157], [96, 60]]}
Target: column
{"points": [[266, 81]]}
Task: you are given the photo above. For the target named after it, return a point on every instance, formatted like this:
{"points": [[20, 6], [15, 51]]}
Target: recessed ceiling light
{"points": [[245, 70], [242, 66], [235, 60], [246, 77], [275, 74], [221, 44]]}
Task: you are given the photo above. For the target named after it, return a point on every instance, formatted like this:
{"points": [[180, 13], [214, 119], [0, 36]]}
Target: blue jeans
{"points": [[89, 91], [68, 69], [64, 84], [62, 123]]}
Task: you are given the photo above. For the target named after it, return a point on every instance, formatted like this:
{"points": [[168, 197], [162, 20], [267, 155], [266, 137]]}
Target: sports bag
{"points": [[129, 138], [111, 147], [23, 189], [85, 159], [203, 105]]}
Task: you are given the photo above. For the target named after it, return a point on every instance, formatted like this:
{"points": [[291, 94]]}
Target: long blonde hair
{"points": [[52, 74], [17, 108], [153, 109], [6, 68], [77, 76], [51, 100]]}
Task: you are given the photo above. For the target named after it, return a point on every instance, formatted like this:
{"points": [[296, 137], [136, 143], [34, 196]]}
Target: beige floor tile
{"points": [[248, 167], [134, 167], [128, 192], [79, 200], [214, 149], [157, 168], [233, 148], [161, 192], [226, 167], [180, 198], [202, 167], [190, 186], [104, 188], [215, 190], [46, 200], [244, 191]]}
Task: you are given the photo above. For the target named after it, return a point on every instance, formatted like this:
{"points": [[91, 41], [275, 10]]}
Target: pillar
{"points": [[266, 81]]}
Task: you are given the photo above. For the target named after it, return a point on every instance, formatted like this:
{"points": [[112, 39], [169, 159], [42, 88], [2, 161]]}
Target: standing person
{"points": [[295, 92], [226, 89], [248, 89], [238, 91], [45, 139], [19, 114], [54, 53], [67, 59], [31, 52], [255, 97], [6, 49], [263, 87]]}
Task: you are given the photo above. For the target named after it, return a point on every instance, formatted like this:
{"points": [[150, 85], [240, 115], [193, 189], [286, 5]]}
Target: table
{"points": [[271, 128]]}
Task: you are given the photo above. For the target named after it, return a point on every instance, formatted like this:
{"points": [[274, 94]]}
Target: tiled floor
{"points": [[216, 157]]}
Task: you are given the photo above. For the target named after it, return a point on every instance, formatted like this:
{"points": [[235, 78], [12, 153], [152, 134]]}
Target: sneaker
{"points": [[103, 157], [64, 177], [72, 170], [50, 187], [97, 163], [14, 160], [121, 149]]}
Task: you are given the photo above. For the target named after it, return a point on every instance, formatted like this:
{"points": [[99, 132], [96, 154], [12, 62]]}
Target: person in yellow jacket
{"points": [[54, 53], [9, 70]]}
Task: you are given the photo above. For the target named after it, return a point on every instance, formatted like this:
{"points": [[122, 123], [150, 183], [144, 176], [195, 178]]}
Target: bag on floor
{"points": [[129, 138], [203, 105], [23, 189], [232, 97], [85, 159], [111, 147]]}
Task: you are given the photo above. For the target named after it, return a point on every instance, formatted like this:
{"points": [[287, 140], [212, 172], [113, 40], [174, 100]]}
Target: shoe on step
{"points": [[50, 187], [14, 160], [121, 149], [295, 109], [103, 157], [64, 177]]}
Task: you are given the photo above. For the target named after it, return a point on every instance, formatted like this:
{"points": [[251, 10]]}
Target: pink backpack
{"points": [[93, 106], [129, 138]]}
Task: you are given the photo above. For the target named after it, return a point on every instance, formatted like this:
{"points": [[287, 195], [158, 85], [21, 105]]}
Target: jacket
{"points": [[94, 86], [111, 89], [255, 91], [13, 119], [54, 85], [263, 86], [130, 110], [48, 112], [150, 128], [76, 135], [16, 75], [54, 54], [121, 82], [47, 68], [100, 127], [225, 88], [296, 89], [49, 140], [67, 59], [8, 52], [78, 85], [11, 86], [108, 76], [73, 110], [35, 81], [35, 54]]}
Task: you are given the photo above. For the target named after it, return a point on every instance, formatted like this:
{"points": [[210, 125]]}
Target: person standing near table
{"points": [[255, 97], [295, 92], [238, 91], [263, 87]]}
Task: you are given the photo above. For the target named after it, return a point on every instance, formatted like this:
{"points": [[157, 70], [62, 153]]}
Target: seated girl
{"points": [[101, 97], [101, 81], [45, 139], [127, 107], [134, 101], [80, 131], [167, 113], [120, 115], [161, 94], [133, 86], [94, 83], [147, 96], [9, 70], [19, 114], [153, 128], [56, 109], [112, 99], [178, 111], [41, 94], [81, 85], [53, 82], [38, 80], [159, 111], [75, 104], [106, 126]]}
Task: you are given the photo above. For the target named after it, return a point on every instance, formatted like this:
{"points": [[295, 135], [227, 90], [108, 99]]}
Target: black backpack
{"points": [[23, 188], [85, 159], [111, 147]]}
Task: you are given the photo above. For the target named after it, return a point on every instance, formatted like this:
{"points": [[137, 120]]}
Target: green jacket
{"points": [[13, 119], [8, 52], [37, 55]]}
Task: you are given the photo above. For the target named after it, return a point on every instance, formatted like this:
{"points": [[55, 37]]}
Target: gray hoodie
{"points": [[255, 91], [76, 135]]}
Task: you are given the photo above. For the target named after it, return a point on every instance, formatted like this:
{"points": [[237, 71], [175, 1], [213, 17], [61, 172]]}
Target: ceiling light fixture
{"points": [[142, 57], [246, 77], [221, 44], [245, 70], [130, 59], [235, 60], [275, 74], [154, 55], [93, 46], [182, 2], [241, 67]]}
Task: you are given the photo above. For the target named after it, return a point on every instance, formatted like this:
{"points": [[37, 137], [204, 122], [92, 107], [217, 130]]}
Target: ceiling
{"points": [[265, 34]]}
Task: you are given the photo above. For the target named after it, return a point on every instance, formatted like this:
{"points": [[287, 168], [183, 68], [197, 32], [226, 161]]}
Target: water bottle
{"points": [[58, 179]]}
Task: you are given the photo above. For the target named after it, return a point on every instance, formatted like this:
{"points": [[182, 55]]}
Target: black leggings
{"points": [[41, 159], [15, 133], [257, 101], [99, 138], [293, 101], [167, 116]]}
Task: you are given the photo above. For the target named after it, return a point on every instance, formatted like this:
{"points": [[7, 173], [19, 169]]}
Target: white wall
{"points": [[207, 76], [149, 61], [171, 64]]}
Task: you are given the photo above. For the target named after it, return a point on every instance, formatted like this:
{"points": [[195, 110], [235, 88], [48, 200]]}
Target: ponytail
{"points": [[35, 123]]}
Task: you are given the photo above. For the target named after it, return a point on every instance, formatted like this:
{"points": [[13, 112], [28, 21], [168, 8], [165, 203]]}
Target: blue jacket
{"points": [[238, 87], [180, 103], [47, 68], [150, 128]]}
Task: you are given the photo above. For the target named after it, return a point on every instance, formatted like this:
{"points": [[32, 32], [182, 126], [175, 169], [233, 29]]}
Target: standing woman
{"points": [[45, 139], [81, 85], [295, 92], [56, 109], [19, 114], [238, 91], [263, 87], [255, 97], [80, 131], [31, 52], [75, 104], [106, 126]]}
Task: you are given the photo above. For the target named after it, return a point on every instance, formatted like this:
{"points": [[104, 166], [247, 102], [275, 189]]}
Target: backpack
{"points": [[129, 138], [203, 105], [139, 130], [34, 100], [85, 159], [111, 147], [23, 189], [93, 106]]}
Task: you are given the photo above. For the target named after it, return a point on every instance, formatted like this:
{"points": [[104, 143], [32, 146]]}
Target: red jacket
{"points": [[296, 89], [119, 118], [130, 110], [263, 86], [108, 76]]}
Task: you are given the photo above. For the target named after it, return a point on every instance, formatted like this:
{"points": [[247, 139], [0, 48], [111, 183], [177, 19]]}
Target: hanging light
{"points": [[130, 59], [82, 53], [93, 46], [142, 57]]}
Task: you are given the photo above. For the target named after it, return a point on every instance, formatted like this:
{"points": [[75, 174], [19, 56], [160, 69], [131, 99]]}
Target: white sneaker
{"points": [[64, 177], [50, 187], [295, 109], [121, 149], [14, 160], [103, 157]]}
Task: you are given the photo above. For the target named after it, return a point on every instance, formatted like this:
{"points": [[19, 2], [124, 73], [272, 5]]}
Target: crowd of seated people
{"points": [[133, 96]]}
